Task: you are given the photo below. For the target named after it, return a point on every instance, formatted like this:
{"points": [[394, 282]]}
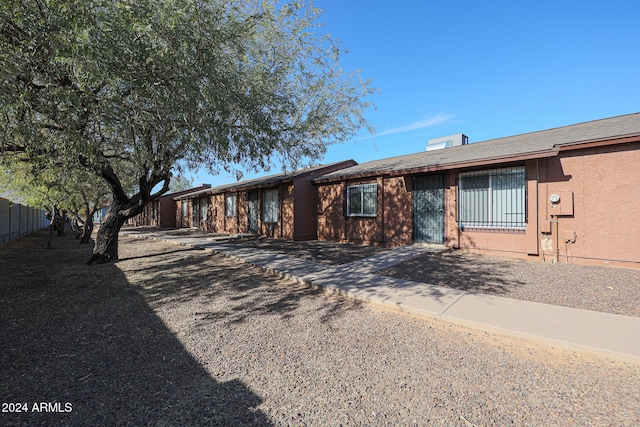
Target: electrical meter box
{"points": [[561, 203]]}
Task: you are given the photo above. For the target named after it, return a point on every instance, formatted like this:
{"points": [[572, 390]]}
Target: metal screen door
{"points": [[428, 208], [253, 211]]}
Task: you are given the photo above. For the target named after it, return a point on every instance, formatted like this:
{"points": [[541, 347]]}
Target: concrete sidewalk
{"points": [[608, 334]]}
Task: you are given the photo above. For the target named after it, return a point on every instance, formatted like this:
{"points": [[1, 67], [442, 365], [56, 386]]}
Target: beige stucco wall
{"points": [[605, 184], [601, 188]]}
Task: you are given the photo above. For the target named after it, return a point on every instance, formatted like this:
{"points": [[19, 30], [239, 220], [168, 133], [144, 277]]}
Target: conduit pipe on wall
{"points": [[556, 238]]}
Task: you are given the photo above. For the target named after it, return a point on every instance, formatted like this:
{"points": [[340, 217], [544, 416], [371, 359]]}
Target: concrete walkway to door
{"points": [[390, 258], [603, 333]]}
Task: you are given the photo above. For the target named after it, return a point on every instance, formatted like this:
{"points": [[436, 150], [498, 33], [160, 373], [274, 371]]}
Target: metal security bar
{"points": [[493, 199], [428, 208]]}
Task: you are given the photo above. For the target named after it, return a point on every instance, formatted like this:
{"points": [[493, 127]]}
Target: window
{"points": [[270, 205], [362, 200], [203, 209], [185, 211], [230, 205], [154, 209], [493, 199]]}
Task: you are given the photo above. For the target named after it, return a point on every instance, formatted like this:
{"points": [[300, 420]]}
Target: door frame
{"points": [[195, 213], [439, 219], [253, 215]]}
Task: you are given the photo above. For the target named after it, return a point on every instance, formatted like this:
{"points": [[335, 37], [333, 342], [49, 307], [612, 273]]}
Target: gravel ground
{"points": [[175, 336], [312, 250], [605, 289], [331, 253]]}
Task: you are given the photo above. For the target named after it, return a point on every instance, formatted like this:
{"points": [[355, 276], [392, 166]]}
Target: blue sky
{"points": [[487, 69]]}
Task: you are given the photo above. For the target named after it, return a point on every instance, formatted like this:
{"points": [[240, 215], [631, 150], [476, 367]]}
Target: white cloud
{"points": [[420, 124]]}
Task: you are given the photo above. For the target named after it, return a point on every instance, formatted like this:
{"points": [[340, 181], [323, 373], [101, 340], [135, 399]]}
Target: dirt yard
{"points": [[175, 336], [606, 289]]}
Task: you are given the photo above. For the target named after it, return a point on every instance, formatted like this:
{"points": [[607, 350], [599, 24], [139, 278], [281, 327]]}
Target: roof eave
{"points": [[579, 145], [441, 167]]}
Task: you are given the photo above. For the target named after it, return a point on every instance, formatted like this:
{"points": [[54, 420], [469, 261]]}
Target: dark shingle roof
{"points": [[534, 144], [265, 181]]}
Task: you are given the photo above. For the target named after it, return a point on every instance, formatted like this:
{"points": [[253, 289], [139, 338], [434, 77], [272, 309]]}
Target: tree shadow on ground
{"points": [[457, 271], [177, 277], [84, 336], [331, 253]]}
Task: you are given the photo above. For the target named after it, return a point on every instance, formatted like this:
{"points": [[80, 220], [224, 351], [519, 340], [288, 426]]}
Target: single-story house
{"points": [[568, 194], [161, 212], [281, 205]]}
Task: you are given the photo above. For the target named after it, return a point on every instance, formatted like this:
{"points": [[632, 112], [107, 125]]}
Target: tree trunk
{"points": [[122, 208], [52, 225], [50, 242], [105, 249], [60, 221], [87, 230]]}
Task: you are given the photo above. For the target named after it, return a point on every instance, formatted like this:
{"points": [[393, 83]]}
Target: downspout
{"points": [[556, 239], [538, 233]]}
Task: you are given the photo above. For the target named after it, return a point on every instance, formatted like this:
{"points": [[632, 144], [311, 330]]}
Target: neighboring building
{"points": [[569, 194], [283, 206], [99, 215], [161, 212]]}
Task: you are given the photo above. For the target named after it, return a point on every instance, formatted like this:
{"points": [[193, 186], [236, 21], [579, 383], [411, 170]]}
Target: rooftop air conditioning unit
{"points": [[447, 141]]}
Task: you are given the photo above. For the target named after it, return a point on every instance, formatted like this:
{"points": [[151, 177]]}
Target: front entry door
{"points": [[253, 211], [428, 208]]}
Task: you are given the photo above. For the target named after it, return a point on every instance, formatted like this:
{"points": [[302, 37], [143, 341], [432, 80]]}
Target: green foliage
{"points": [[180, 183], [130, 89], [73, 190], [154, 82]]}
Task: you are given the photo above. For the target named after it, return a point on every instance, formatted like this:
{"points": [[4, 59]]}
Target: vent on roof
{"points": [[447, 141]]}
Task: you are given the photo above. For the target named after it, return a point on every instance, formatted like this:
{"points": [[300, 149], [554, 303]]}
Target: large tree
{"points": [[154, 83]]}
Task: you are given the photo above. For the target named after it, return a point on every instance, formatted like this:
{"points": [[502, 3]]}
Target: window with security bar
{"points": [[362, 200], [493, 199]]}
